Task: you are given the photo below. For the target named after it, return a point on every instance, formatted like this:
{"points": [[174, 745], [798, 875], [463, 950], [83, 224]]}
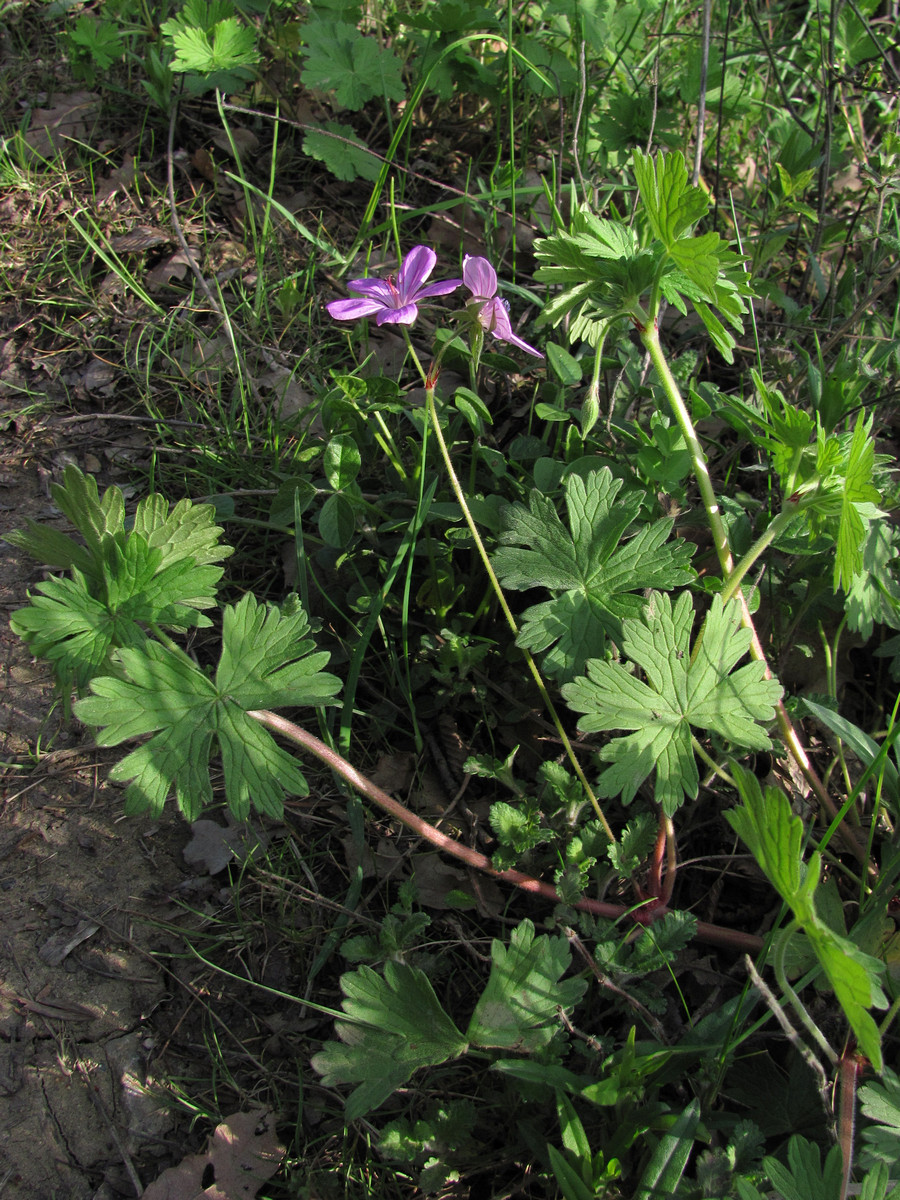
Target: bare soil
{"points": [[84, 894]]}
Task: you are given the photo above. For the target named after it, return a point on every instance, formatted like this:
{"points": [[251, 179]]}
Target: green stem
{"points": [[808, 1023], [650, 337], [510, 619], [776, 526]]}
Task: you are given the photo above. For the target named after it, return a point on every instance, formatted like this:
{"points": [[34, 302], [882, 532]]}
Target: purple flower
{"points": [[394, 301], [481, 280]]}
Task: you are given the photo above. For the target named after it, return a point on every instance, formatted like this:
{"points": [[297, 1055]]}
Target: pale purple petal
{"points": [[416, 268], [404, 315], [495, 319], [376, 288], [351, 310], [438, 289], [479, 277], [515, 340]]}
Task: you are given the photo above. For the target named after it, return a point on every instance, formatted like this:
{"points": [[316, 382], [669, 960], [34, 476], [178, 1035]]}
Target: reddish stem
{"points": [[849, 1070], [716, 935]]}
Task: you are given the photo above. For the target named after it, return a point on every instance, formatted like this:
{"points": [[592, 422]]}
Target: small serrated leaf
{"points": [[518, 1009], [395, 1025]]}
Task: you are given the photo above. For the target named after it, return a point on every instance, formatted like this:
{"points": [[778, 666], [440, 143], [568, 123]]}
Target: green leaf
{"points": [[160, 573], [668, 1161], [337, 521], [566, 368], [76, 630], [775, 836], [865, 748], [672, 206], [880, 1103], [352, 66], [678, 694], [571, 1184], [341, 461], [805, 1178], [394, 1026], [518, 1009], [265, 662], [767, 825], [342, 152], [857, 491], [873, 597], [599, 575]]}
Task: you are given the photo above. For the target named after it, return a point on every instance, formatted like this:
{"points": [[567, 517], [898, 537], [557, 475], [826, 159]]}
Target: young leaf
{"points": [[678, 694], [599, 577], [672, 206], [518, 1008], [264, 663], [857, 494], [774, 834], [395, 1026]]}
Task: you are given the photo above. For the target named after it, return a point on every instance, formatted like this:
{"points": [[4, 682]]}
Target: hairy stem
{"points": [[714, 935], [650, 337]]}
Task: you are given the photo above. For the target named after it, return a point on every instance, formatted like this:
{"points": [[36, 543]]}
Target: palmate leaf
{"points": [[76, 627], [519, 1008], [266, 661], [599, 577], [160, 573], [354, 67], [678, 694], [395, 1026]]}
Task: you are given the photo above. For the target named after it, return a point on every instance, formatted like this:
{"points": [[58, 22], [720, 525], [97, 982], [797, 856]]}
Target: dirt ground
{"points": [[81, 888]]}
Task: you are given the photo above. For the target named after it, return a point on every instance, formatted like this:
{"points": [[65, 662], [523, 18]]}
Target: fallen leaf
{"points": [[60, 945], [175, 266], [213, 846], [242, 1154], [142, 237], [51, 129]]}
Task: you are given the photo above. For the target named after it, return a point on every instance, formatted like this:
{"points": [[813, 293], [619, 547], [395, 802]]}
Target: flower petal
{"points": [[438, 289], [479, 277], [405, 315], [376, 288], [350, 310], [495, 319], [416, 268]]}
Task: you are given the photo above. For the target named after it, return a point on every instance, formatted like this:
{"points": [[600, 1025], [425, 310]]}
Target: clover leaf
{"points": [[678, 693], [599, 577], [266, 661]]}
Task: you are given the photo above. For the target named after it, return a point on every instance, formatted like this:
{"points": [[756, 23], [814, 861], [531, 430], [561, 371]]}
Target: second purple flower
{"points": [[481, 280]]}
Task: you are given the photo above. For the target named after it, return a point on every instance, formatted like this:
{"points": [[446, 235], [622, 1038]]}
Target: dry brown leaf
{"points": [[58, 947], [57, 1010], [242, 1154], [174, 267], [52, 128], [213, 846], [245, 139], [142, 237]]}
